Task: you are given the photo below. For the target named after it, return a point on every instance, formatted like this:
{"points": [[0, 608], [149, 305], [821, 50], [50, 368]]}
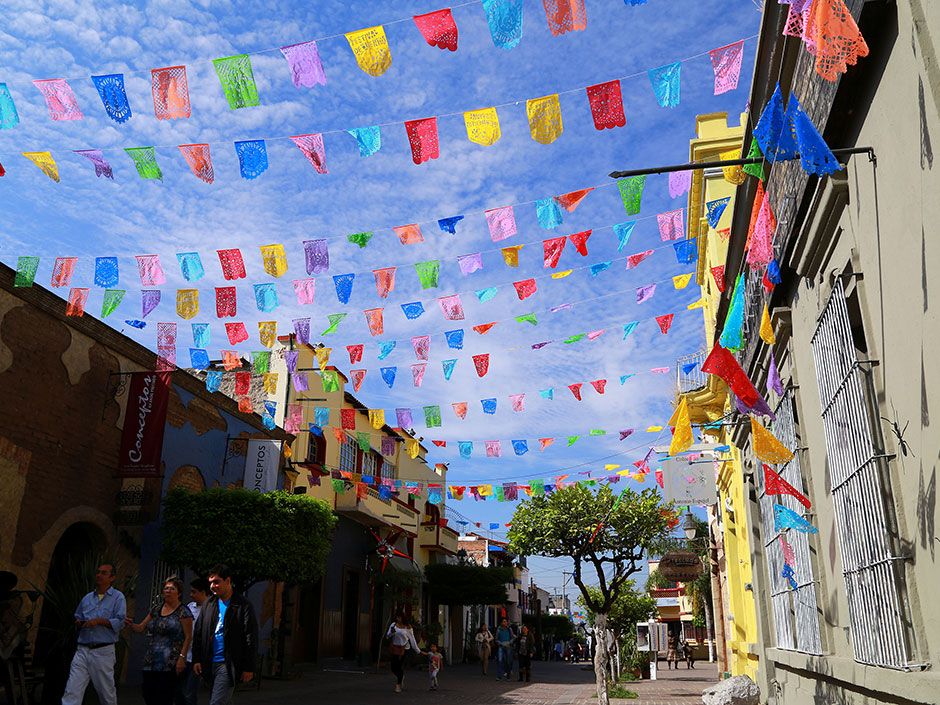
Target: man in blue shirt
{"points": [[99, 619], [504, 639]]}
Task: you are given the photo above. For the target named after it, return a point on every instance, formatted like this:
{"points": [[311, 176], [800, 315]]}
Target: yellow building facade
{"points": [[707, 396]]}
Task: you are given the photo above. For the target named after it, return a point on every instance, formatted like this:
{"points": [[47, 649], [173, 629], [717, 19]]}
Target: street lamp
{"points": [[689, 526]]}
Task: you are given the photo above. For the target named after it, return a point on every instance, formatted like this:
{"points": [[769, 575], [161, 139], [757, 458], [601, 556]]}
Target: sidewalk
{"points": [[676, 687]]}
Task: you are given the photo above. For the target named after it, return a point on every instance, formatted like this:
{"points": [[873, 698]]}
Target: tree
{"points": [[260, 536], [629, 609], [468, 583], [603, 532]]}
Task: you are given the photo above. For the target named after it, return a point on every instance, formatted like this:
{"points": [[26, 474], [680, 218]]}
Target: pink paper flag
{"points": [[422, 135], [304, 288], [517, 401], [659, 370], [78, 297], [422, 346], [599, 385], [409, 234], [525, 288], [579, 240], [460, 408], [595, 334], [470, 263], [761, 249], [501, 222], [438, 29], [306, 69], [170, 92], [552, 249], [606, 105], [726, 63], [151, 273], [63, 270], [665, 322], [236, 332], [565, 16], [493, 449], [60, 100], [376, 320], [199, 160], [417, 372], [314, 150], [671, 225], [634, 260], [384, 281], [576, 390], [355, 353], [482, 364], [679, 182], [451, 307], [358, 376], [645, 293], [233, 266], [789, 556]]}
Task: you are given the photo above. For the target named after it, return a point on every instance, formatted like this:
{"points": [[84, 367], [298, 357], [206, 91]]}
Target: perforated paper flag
{"points": [[785, 518], [9, 118], [552, 250], [151, 273], [774, 485], [451, 307], [482, 126], [412, 310], [525, 288], [766, 446], [422, 136], [686, 251], [145, 161], [45, 162], [767, 328], [334, 320], [187, 303], [237, 81], [718, 274], [454, 339], [343, 283], [517, 402], [504, 18], [236, 332], [460, 409], [388, 376], [580, 240], [470, 263], [484, 295], [623, 231], [671, 225], [384, 281], [635, 259], [370, 47], [545, 124], [432, 416], [493, 449], [376, 320], [665, 82], [302, 331], [679, 182], [449, 225], [438, 29], [60, 100], [482, 364], [26, 268], [484, 328], [368, 139], [304, 289], [732, 336], [681, 281], [78, 297], [501, 223], [106, 272], [306, 69], [199, 160], [357, 376], [631, 193], [428, 273], [448, 368], [385, 348], [726, 63], [832, 35], [102, 166], [606, 103], [313, 149], [316, 256], [665, 322], [565, 16], [761, 248], [645, 293], [112, 298], [170, 92], [149, 300]]}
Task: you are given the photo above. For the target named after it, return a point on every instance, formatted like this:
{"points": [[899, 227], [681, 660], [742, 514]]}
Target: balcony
{"points": [[437, 538], [371, 510], [694, 379]]}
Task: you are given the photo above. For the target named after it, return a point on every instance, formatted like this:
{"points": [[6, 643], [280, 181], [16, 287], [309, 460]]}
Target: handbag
{"points": [[397, 649]]}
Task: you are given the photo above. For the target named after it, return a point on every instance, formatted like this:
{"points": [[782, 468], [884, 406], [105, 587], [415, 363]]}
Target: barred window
{"points": [[863, 508], [368, 463], [388, 470], [347, 456]]}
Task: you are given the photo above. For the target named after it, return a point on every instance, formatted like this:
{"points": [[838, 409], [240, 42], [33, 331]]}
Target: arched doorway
{"points": [[71, 575]]}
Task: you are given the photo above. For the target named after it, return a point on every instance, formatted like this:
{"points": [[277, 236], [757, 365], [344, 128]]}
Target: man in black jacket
{"points": [[225, 638]]}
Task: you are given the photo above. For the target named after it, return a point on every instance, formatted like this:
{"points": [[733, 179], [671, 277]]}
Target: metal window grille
{"points": [[387, 471], [795, 613], [863, 510], [347, 456], [694, 378], [368, 464]]}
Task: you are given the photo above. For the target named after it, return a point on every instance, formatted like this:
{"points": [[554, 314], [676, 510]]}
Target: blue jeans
{"points": [[504, 658]]}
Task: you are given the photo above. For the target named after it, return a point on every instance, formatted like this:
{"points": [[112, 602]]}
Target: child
{"points": [[435, 661]]}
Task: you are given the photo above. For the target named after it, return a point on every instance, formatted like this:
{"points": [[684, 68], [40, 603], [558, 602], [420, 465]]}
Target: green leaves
{"points": [[467, 583]]}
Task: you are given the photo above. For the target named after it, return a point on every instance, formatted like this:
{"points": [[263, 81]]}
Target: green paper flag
{"points": [[432, 416], [26, 271], [330, 380], [537, 487], [145, 159], [362, 438], [428, 272], [335, 319], [112, 297], [361, 239], [631, 192], [339, 486], [237, 81], [498, 492], [756, 170], [598, 432], [528, 318], [261, 362], [574, 338], [572, 440]]}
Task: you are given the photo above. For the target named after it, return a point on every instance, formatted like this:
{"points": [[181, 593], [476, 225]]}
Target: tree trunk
{"points": [[600, 658], [709, 633]]}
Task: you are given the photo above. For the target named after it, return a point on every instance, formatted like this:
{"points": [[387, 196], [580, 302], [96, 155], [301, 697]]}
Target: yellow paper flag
{"points": [[323, 357], [562, 275], [482, 126], [45, 162], [639, 477], [511, 255], [612, 466], [275, 259], [187, 303], [696, 304], [267, 331], [371, 49], [544, 118], [624, 472], [377, 418], [412, 446], [682, 438], [654, 429], [767, 328], [733, 174], [485, 490], [269, 380], [681, 281], [766, 445]]}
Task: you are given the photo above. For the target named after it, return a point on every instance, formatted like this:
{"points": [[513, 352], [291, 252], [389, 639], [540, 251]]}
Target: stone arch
{"points": [[188, 477]]}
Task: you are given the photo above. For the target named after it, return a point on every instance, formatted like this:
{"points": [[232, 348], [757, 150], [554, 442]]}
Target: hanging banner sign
{"points": [[688, 483], [144, 424], [261, 464]]}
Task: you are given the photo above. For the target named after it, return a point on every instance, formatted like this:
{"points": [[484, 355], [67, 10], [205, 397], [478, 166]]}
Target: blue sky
{"points": [[85, 216]]}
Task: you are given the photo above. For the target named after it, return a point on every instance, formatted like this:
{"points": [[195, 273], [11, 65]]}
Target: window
{"points": [[368, 463], [347, 456], [795, 613], [863, 508], [387, 470]]}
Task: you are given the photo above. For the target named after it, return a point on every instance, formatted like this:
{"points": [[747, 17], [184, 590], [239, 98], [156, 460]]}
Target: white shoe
{"points": [[397, 688]]}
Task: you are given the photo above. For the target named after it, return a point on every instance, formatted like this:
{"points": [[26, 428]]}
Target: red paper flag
{"points": [[245, 406], [634, 260], [525, 288], [482, 364], [78, 297], [339, 434], [571, 200], [606, 105], [376, 320], [355, 353], [460, 408], [438, 29], [718, 274], [348, 419], [422, 135], [720, 362], [774, 485], [440, 444], [226, 302], [63, 270], [236, 332], [357, 378], [579, 240], [576, 390], [599, 385], [484, 328], [384, 281], [233, 266], [314, 150], [659, 478], [552, 249], [545, 442], [665, 322], [565, 16], [242, 382], [199, 160]]}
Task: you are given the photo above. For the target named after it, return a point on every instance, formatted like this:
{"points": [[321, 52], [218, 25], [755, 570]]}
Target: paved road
{"points": [[678, 687]]}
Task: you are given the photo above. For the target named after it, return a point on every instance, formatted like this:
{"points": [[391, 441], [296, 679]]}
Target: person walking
{"points": [[525, 649], [225, 644], [402, 637], [484, 645], [170, 628], [688, 654], [559, 650], [672, 651], [187, 690], [99, 618], [504, 640], [435, 663]]}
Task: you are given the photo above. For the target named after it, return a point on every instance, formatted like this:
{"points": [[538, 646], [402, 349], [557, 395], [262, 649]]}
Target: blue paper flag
{"points": [[454, 339], [385, 493], [628, 328], [774, 132], [466, 448], [599, 267], [385, 348], [9, 118], [213, 380], [790, 576], [520, 447], [732, 335], [505, 20], [412, 310], [788, 519], [449, 225], [489, 406], [448, 368], [435, 495], [634, 3], [201, 335], [548, 213], [547, 393], [198, 358], [388, 375], [624, 378], [815, 155], [268, 422], [344, 285], [252, 158], [716, 209], [494, 525], [686, 251], [190, 266], [111, 89], [134, 323], [321, 416], [773, 272], [266, 297], [623, 231], [106, 271], [688, 367], [665, 82], [270, 407], [369, 139], [486, 294]]}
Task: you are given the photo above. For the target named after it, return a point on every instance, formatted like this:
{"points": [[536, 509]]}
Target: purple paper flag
{"points": [[773, 377], [302, 330], [405, 420], [304, 288], [539, 346], [306, 70], [102, 167], [149, 300], [671, 225], [290, 357], [417, 372], [317, 256], [501, 222], [626, 433], [470, 263], [645, 293], [300, 382], [679, 182], [388, 446], [561, 307]]}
